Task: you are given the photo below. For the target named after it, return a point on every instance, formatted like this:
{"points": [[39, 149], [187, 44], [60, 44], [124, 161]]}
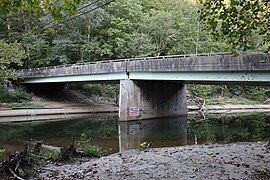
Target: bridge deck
{"points": [[206, 68]]}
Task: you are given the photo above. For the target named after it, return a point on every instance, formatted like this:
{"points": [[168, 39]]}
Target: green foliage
{"points": [[248, 127], [143, 144], [206, 91], [38, 8], [2, 151], [92, 89], [18, 95], [140, 28], [231, 101], [240, 23], [101, 128], [84, 144], [16, 131], [51, 154], [5, 96], [162, 31], [64, 51], [204, 131], [122, 25], [244, 94], [251, 92], [110, 90], [37, 50], [25, 105], [11, 55]]}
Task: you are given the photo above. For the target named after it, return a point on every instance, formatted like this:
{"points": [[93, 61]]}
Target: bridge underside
{"points": [[226, 77], [245, 78]]}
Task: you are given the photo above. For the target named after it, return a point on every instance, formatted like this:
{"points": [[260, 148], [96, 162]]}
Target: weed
{"points": [[25, 104], [50, 154], [84, 144]]}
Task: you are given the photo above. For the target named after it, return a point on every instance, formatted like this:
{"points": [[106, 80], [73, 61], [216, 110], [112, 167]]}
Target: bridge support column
{"points": [[151, 99]]}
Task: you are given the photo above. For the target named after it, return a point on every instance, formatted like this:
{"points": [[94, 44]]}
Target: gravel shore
{"points": [[228, 161]]}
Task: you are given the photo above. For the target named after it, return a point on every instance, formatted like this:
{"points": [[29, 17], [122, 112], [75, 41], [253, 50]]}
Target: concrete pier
{"points": [[151, 99]]}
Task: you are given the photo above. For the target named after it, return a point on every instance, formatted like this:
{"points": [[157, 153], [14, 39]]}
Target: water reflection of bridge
{"points": [[160, 132], [154, 87]]}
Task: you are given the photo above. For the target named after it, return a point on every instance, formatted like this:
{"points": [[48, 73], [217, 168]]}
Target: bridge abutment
{"points": [[151, 99]]}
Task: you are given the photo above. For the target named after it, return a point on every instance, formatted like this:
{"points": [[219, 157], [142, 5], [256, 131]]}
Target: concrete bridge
{"points": [[153, 87]]}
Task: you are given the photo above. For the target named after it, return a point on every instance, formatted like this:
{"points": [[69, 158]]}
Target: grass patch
{"points": [[26, 105], [84, 144], [50, 154], [223, 101], [2, 151]]}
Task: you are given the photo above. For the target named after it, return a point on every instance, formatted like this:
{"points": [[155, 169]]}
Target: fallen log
{"points": [[57, 149], [45, 146]]}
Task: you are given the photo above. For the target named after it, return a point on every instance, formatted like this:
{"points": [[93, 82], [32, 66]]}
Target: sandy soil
{"points": [[230, 161], [81, 102]]}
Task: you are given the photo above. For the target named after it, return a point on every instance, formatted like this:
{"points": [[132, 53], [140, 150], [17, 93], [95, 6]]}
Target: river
{"points": [[105, 131]]}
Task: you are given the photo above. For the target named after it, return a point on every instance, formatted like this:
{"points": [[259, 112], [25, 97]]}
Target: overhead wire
{"points": [[27, 21], [56, 23], [47, 23]]}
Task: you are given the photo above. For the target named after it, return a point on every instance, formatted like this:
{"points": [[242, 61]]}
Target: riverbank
{"points": [[53, 109], [216, 161], [66, 109]]}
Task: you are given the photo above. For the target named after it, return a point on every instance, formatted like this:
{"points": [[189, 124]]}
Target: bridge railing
{"points": [[129, 59]]}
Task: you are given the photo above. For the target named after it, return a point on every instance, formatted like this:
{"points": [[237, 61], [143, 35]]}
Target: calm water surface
{"points": [[106, 132]]}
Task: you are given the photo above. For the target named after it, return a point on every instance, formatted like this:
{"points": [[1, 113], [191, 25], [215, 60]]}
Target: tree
{"points": [[244, 24], [11, 54], [161, 28], [38, 8], [174, 28], [37, 50], [64, 51], [122, 27]]}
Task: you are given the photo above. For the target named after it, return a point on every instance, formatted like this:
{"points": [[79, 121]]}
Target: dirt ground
{"points": [[229, 161]]}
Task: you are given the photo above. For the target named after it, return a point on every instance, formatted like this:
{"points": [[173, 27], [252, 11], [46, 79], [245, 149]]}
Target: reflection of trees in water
{"points": [[57, 133], [203, 131], [230, 128], [105, 128], [13, 131], [92, 127], [96, 127]]}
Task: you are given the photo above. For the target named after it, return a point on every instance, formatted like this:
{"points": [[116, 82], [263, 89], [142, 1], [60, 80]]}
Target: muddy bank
{"points": [[229, 161]]}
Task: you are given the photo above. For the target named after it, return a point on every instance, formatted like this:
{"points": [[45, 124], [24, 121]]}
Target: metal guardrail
{"points": [[140, 58]]}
